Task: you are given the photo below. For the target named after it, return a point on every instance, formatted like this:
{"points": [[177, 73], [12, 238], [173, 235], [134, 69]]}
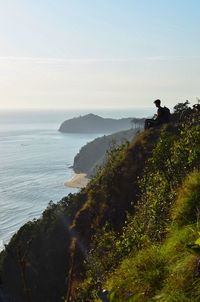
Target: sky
{"points": [[98, 53]]}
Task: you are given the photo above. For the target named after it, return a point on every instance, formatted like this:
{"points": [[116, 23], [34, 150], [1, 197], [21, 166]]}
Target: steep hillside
{"points": [[126, 232], [169, 270], [151, 258]]}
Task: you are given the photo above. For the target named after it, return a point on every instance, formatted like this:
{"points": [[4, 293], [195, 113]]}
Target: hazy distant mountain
{"points": [[93, 154], [92, 123]]}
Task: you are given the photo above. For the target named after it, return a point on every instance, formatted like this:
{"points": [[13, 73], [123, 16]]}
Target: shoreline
{"points": [[79, 181]]}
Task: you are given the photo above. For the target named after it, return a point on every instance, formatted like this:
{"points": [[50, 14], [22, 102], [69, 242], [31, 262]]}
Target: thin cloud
{"points": [[65, 60], [172, 58], [44, 60]]}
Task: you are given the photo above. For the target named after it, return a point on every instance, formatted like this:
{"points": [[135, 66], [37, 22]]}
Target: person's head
{"points": [[157, 103]]}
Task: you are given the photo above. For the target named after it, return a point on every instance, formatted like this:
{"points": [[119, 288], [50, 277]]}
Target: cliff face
{"points": [[78, 244], [91, 123]]}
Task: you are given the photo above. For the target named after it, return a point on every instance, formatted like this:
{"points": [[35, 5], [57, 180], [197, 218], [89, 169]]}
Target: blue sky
{"points": [[98, 53]]}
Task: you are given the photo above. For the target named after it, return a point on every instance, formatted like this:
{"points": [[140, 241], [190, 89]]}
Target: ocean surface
{"points": [[35, 160]]}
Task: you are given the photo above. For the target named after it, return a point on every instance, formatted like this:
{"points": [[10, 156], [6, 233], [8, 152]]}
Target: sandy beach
{"points": [[78, 181]]}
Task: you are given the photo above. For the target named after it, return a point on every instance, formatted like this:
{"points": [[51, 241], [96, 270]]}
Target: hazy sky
{"points": [[98, 53]]}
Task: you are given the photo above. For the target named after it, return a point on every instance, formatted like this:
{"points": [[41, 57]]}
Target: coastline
{"points": [[77, 181]]}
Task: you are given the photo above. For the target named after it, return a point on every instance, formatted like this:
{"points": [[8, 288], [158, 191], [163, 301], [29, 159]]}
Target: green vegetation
{"points": [[133, 231], [149, 258], [165, 271]]}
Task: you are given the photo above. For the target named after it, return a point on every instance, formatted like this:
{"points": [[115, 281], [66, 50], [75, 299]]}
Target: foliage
{"points": [[169, 261], [175, 155], [181, 107], [195, 247]]}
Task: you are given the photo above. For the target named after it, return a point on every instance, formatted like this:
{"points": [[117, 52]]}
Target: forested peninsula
{"points": [[93, 155], [131, 235]]}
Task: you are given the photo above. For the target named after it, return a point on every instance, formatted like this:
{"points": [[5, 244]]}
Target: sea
{"points": [[36, 160]]}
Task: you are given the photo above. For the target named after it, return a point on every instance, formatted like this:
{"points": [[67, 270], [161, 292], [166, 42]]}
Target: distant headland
{"points": [[92, 123]]}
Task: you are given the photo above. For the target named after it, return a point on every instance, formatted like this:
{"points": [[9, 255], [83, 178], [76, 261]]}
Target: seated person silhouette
{"points": [[162, 116]]}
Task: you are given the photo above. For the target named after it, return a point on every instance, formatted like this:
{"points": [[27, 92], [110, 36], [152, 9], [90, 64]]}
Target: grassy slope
{"points": [[165, 271]]}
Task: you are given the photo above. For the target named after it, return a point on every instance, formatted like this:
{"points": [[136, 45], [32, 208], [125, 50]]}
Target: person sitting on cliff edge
{"points": [[162, 116]]}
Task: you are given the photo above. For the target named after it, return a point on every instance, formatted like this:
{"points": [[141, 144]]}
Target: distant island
{"points": [[92, 123]]}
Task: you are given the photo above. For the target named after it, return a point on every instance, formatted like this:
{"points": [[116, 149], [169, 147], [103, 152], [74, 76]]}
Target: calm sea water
{"points": [[35, 162]]}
